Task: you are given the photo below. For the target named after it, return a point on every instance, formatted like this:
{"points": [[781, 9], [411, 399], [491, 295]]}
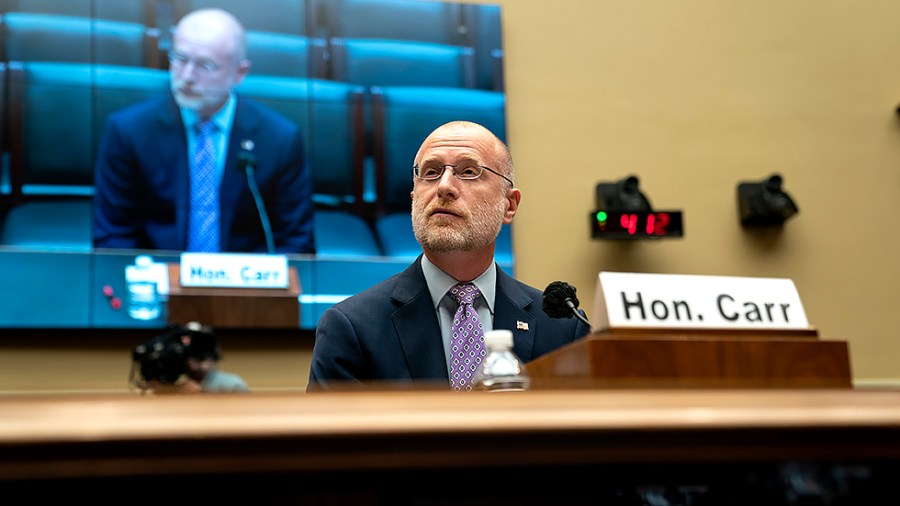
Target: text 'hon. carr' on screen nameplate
{"points": [[234, 270], [637, 300]]}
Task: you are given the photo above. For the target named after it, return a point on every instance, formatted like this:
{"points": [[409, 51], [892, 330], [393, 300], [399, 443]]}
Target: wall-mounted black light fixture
{"points": [[764, 203], [623, 212]]}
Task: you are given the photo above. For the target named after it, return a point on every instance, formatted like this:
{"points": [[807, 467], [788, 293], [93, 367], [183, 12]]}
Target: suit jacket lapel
{"points": [[417, 327], [511, 312]]}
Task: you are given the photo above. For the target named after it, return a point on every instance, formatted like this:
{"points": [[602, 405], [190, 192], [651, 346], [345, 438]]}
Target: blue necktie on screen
{"points": [[466, 337], [203, 218]]}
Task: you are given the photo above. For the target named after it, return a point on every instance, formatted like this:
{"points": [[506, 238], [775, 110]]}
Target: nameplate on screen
{"points": [[634, 300], [234, 270]]}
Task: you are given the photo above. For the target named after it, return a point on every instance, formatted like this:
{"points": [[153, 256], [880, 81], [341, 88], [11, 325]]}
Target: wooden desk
{"points": [[378, 440], [698, 358]]}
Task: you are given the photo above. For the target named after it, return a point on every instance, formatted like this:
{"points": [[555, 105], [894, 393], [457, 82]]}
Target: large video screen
{"points": [[363, 81]]}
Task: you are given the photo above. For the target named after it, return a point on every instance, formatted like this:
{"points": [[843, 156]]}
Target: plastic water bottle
{"points": [[501, 369], [143, 292]]}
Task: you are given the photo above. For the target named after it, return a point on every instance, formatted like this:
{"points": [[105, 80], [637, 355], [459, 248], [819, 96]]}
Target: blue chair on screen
{"points": [[46, 37], [56, 115], [384, 62], [61, 225], [279, 54], [402, 118], [132, 11], [330, 116], [436, 22], [341, 234]]}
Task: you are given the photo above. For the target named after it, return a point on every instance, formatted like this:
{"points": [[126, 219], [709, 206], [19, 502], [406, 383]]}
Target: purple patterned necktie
{"points": [[466, 337], [203, 217]]}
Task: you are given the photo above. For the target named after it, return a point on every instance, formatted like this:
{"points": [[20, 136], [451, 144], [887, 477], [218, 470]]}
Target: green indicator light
{"points": [[601, 216]]}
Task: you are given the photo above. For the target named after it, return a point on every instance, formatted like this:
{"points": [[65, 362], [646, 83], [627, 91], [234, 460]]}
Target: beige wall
{"points": [[692, 96]]}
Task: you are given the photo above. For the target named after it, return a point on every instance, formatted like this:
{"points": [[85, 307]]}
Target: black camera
{"points": [[163, 358]]}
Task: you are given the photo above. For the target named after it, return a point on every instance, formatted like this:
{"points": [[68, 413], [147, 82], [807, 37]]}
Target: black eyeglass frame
{"points": [[415, 171]]}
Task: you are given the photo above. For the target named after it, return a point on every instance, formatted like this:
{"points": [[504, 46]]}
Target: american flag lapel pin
{"points": [[521, 325]]}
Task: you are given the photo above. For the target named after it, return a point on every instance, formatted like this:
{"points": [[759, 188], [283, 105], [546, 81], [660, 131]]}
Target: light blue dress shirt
{"points": [[439, 283], [224, 120]]}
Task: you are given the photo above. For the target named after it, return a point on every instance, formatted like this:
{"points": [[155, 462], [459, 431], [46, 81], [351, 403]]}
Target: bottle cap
{"points": [[498, 339]]}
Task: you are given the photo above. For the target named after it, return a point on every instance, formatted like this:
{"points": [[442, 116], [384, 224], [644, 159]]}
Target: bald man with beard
{"points": [[400, 331]]}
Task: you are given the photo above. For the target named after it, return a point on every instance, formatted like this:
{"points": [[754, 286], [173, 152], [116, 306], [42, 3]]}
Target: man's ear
{"points": [[513, 197], [242, 71]]}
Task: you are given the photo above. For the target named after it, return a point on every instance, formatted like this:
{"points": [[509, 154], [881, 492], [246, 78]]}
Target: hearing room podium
{"points": [[694, 331], [696, 359], [234, 307]]}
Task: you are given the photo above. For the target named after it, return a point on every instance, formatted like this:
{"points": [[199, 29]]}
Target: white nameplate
{"points": [[234, 270], [632, 300]]}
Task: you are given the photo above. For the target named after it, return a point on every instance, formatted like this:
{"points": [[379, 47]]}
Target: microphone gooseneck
{"points": [[560, 301], [246, 162]]}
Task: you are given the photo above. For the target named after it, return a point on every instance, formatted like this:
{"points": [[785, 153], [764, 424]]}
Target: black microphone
{"points": [[560, 301], [246, 162]]}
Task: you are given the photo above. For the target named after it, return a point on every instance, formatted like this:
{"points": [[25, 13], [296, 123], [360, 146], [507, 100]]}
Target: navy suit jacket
{"points": [[391, 332], [142, 178]]}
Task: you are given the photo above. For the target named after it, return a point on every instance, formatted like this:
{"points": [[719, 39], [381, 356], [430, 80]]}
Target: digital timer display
{"points": [[636, 225]]}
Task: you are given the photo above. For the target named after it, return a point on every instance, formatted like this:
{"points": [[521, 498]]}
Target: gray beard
{"points": [[481, 227]]}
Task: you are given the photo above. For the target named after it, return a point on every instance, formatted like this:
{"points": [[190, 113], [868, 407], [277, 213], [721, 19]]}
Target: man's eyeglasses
{"points": [[434, 172], [202, 65]]}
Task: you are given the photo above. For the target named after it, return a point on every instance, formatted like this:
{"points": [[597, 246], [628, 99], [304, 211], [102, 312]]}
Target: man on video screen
{"points": [[172, 172]]}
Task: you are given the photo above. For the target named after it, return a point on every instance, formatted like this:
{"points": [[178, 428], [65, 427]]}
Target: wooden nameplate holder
{"points": [[234, 307], [695, 358]]}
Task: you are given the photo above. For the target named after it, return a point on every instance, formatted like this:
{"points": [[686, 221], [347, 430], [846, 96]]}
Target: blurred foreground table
{"points": [[367, 446]]}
